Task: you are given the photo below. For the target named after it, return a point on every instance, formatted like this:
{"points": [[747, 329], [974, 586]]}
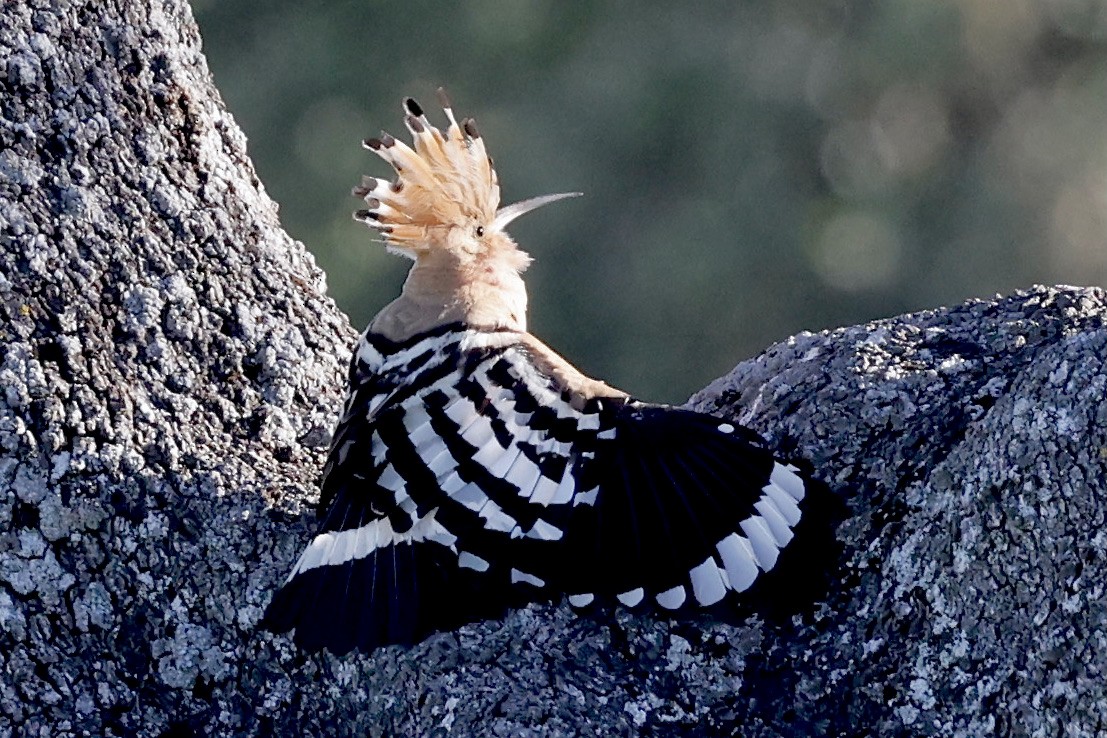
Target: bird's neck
{"points": [[492, 296]]}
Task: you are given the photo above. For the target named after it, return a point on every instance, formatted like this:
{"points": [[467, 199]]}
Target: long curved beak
{"points": [[508, 213]]}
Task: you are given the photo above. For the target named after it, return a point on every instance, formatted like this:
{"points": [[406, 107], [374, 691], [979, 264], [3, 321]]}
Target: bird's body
{"points": [[474, 468]]}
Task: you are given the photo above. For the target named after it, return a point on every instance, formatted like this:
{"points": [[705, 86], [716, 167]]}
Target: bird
{"points": [[474, 469]]}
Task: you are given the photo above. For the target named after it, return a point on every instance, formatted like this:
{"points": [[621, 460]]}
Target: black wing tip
{"points": [[359, 605], [809, 567], [805, 575], [706, 476], [399, 595]]}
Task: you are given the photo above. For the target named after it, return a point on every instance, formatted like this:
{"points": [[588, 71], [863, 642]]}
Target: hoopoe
{"points": [[473, 468]]}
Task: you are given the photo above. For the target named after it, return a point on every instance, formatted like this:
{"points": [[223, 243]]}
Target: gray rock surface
{"points": [[170, 368]]}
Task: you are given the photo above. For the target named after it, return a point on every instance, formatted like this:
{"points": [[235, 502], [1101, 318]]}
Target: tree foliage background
{"points": [[751, 170]]}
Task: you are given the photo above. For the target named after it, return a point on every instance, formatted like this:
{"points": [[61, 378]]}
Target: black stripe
{"points": [[426, 378], [386, 346], [503, 493], [436, 399], [543, 418], [417, 363], [551, 465]]}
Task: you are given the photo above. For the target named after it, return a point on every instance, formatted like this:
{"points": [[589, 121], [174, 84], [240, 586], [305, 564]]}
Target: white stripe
{"points": [[738, 561], [673, 598], [631, 598], [318, 552], [363, 538], [469, 421], [344, 547], [523, 475], [435, 344], [379, 448], [335, 548], [521, 576], [455, 400], [467, 560], [501, 400], [544, 531], [401, 358], [565, 409], [375, 403], [565, 488], [544, 491], [495, 518], [489, 454], [778, 526], [784, 502], [553, 446], [451, 484], [489, 388], [479, 433], [390, 479], [581, 600], [404, 502], [500, 465], [445, 384], [591, 421], [539, 387], [462, 412], [487, 339], [442, 463], [430, 452], [368, 353], [587, 498], [419, 430], [606, 435], [537, 384], [471, 496], [708, 584], [442, 536], [785, 478], [544, 396], [761, 539], [375, 536], [414, 415]]}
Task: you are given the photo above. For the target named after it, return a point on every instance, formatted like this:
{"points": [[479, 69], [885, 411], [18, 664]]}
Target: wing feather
{"points": [[446, 457]]}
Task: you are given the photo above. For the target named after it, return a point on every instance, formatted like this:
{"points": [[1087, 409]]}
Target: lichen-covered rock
{"points": [[972, 443], [170, 369]]}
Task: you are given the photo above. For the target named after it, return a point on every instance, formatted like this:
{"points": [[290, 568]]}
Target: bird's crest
{"points": [[447, 180]]}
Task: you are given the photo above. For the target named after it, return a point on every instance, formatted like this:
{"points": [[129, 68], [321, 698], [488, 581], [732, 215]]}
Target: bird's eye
{"points": [[480, 231]]}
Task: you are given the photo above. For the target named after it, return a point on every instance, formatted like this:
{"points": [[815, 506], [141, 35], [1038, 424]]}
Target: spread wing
{"points": [[474, 473]]}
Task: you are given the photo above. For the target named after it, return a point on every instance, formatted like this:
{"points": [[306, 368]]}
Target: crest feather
{"points": [[445, 179]]}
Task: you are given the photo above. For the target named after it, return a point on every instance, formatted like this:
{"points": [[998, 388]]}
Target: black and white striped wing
{"points": [[474, 480]]}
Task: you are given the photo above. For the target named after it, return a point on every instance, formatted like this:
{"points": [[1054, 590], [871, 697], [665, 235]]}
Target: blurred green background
{"points": [[751, 170]]}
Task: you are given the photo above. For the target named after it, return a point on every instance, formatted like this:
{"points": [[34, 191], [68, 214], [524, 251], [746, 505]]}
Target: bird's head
{"points": [[442, 209]]}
